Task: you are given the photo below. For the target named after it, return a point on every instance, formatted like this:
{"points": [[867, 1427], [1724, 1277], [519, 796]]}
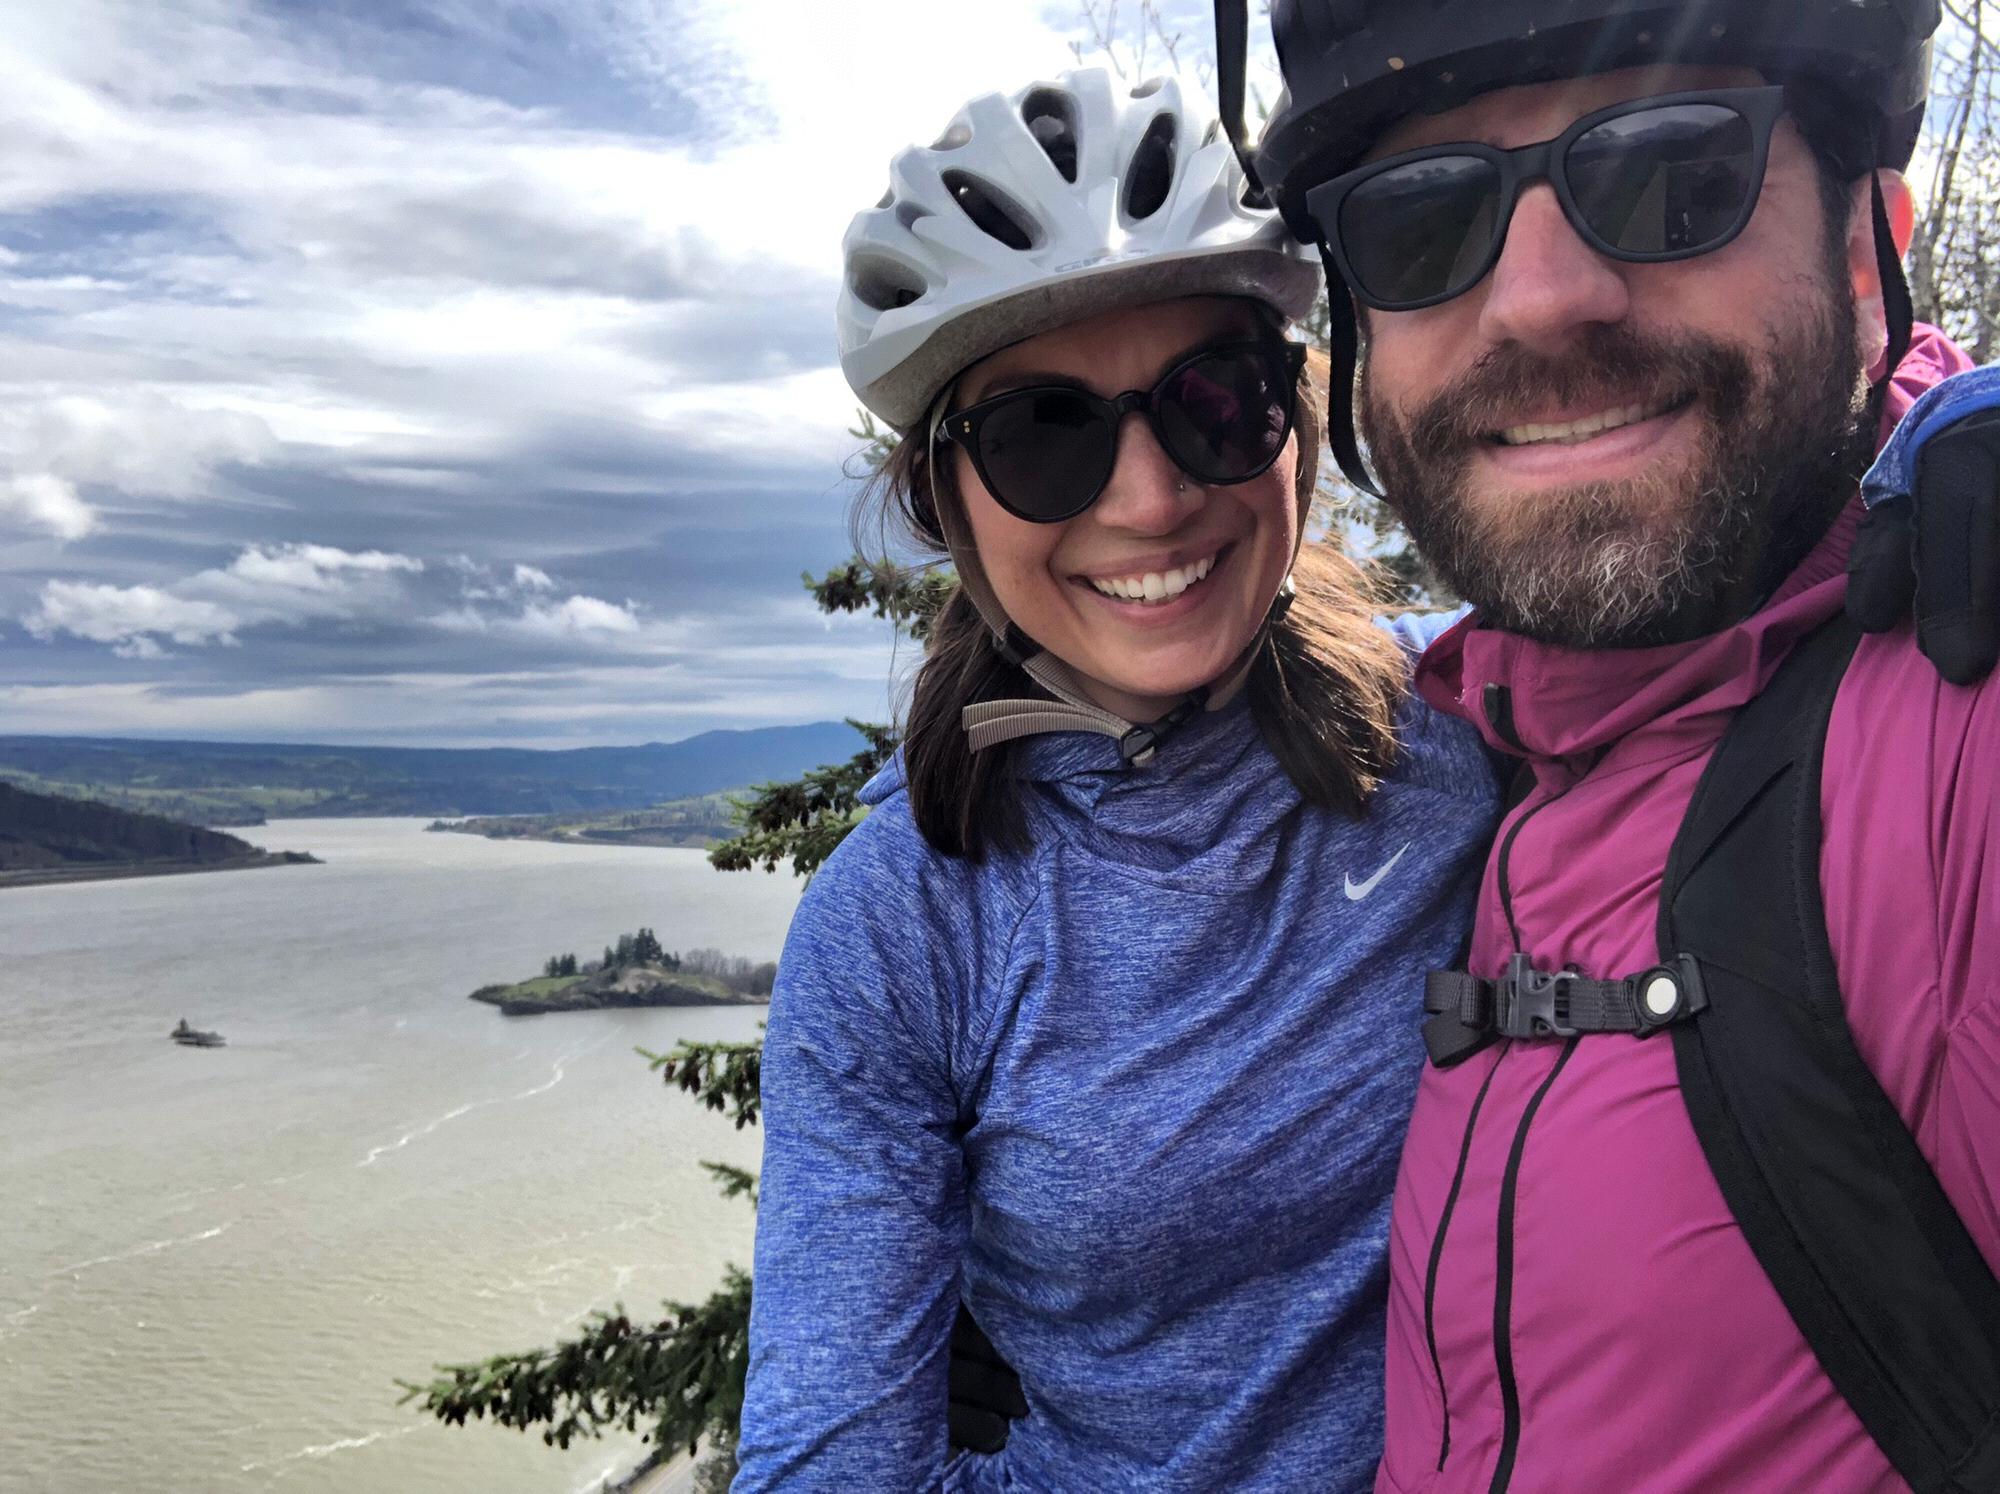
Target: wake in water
{"points": [[560, 1067], [151, 1247], [11, 1324], [328, 1449]]}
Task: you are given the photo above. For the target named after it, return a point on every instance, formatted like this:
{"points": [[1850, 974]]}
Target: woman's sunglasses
{"points": [[1645, 181], [1221, 414]]}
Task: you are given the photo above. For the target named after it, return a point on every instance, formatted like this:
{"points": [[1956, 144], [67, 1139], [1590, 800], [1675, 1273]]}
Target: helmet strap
{"points": [[1344, 351], [1896, 307], [1232, 46]]}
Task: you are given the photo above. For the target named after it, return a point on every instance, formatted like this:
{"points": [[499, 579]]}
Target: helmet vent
{"points": [[909, 214], [990, 210], [883, 284], [1152, 170], [1050, 116]]}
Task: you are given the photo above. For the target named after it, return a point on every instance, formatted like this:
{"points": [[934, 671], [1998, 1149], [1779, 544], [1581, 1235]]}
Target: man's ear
{"points": [[1871, 326]]}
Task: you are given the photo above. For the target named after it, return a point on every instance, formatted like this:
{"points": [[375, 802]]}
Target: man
{"points": [[1622, 390]]}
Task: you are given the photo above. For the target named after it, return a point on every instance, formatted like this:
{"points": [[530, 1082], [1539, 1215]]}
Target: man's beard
{"points": [[1650, 559]]}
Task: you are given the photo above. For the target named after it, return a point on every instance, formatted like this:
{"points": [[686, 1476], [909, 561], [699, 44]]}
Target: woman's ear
{"points": [[1871, 324]]}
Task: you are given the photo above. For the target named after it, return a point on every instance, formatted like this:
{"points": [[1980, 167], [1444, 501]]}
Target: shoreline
{"points": [[49, 876]]}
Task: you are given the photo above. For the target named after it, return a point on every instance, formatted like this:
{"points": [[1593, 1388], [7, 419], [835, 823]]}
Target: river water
{"points": [[215, 1264]]}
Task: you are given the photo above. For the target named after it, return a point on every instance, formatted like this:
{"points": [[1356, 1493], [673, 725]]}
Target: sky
{"points": [[447, 373]]}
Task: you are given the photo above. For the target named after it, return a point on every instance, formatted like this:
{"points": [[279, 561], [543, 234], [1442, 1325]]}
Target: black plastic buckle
{"points": [[1524, 1001], [1137, 746]]}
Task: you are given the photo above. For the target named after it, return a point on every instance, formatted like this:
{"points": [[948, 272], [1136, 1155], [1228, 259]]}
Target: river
{"points": [[215, 1263]]}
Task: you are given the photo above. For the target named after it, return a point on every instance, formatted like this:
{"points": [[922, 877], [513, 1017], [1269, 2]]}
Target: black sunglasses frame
{"points": [[962, 427], [1547, 160]]}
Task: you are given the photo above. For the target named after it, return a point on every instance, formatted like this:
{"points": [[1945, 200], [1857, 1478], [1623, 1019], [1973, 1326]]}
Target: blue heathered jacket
{"points": [[1137, 1096]]}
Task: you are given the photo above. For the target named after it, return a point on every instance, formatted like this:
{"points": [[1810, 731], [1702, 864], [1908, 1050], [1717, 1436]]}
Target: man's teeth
{"points": [[1155, 586], [1571, 432]]}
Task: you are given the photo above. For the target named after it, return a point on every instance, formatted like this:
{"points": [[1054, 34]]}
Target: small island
{"points": [[635, 971], [48, 838]]}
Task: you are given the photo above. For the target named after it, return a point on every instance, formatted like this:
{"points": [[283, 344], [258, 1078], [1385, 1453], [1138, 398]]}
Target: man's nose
{"points": [[1549, 284], [1148, 493]]}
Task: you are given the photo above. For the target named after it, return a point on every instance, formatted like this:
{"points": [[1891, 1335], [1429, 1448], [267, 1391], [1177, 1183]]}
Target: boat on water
{"points": [[191, 1037]]}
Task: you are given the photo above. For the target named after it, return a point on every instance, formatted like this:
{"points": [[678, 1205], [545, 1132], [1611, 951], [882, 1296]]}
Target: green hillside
{"points": [[48, 838]]}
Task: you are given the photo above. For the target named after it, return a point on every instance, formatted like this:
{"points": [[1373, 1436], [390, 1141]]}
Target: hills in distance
{"points": [[44, 838], [245, 783]]}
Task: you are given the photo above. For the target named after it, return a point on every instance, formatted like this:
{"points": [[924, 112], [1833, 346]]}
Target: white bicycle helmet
{"points": [[1033, 209]]}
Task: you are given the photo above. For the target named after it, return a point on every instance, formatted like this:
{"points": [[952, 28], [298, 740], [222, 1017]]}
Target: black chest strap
{"points": [[1840, 1207], [1463, 1013]]}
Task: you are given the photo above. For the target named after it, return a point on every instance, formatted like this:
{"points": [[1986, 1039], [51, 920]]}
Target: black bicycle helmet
{"points": [[1353, 67]]}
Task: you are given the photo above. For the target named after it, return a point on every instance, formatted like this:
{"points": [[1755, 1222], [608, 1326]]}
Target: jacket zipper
{"points": [[1503, 1285], [1437, 1254], [1499, 710], [1497, 707]]}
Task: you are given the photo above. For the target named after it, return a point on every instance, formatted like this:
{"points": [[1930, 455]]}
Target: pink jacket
{"points": [[1592, 1319]]}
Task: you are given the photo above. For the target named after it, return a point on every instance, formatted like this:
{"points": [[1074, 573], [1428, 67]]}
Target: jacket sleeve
{"points": [[861, 1213], [1966, 837]]}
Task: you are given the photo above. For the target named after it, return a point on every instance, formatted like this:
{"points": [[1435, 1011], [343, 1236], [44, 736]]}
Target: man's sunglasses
{"points": [[1646, 181], [1221, 414]]}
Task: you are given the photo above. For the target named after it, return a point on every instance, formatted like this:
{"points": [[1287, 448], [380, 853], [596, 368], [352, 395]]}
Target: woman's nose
{"points": [[1148, 492]]}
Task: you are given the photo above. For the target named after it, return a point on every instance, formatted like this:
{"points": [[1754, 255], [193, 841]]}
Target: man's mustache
{"points": [[1611, 365]]}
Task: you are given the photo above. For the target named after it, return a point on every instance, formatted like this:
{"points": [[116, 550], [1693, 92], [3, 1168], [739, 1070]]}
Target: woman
{"points": [[1104, 1020]]}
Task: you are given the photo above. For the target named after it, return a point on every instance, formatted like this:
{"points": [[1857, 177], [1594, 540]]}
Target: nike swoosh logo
{"points": [[1356, 891]]}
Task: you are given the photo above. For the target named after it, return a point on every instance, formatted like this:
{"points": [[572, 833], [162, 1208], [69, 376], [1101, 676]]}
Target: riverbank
{"points": [[44, 876], [696, 823]]}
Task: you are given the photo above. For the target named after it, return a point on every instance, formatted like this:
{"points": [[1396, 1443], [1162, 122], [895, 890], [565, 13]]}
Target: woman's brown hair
{"points": [[1323, 688]]}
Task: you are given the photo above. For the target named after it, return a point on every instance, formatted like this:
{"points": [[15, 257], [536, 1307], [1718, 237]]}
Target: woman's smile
{"points": [[1157, 594]]}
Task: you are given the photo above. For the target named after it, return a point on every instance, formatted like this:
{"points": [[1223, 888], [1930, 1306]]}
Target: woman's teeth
{"points": [[1155, 586], [1571, 432]]}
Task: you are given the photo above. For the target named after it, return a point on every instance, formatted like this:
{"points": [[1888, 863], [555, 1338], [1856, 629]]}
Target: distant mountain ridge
{"points": [[245, 782]]}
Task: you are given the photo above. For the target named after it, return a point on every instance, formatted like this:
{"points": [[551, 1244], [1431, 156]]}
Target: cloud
{"points": [[132, 618], [316, 568], [579, 616], [136, 442], [587, 622], [41, 500], [278, 585], [530, 577]]}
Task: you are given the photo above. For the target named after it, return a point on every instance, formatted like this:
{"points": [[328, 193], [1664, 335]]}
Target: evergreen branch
{"points": [[803, 820], [683, 1376], [908, 596], [722, 1076], [734, 1181]]}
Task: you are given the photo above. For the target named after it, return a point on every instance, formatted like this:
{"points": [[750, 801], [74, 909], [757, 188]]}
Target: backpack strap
{"points": [[1840, 1207]]}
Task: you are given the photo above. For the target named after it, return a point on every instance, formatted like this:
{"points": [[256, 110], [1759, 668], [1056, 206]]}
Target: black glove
{"points": [[985, 1392], [1939, 549]]}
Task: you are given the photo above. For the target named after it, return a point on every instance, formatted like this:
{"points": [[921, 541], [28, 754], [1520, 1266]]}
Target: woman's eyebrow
{"points": [[1025, 379], [1028, 378]]}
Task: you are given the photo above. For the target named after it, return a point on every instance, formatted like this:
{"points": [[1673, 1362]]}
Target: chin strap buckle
{"points": [[1138, 746]]}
